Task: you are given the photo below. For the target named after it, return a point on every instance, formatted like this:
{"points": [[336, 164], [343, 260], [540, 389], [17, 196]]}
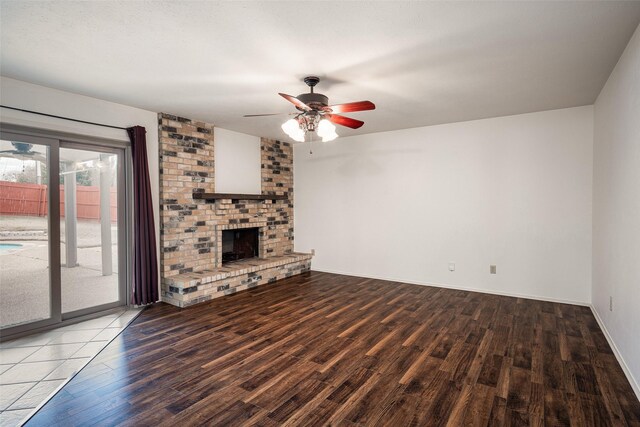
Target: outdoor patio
{"points": [[24, 270]]}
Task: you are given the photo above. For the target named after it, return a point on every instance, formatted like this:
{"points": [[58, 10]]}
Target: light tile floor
{"points": [[33, 368]]}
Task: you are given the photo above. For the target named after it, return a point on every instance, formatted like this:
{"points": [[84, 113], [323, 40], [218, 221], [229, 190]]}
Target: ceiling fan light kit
{"points": [[292, 128], [326, 130], [316, 115]]}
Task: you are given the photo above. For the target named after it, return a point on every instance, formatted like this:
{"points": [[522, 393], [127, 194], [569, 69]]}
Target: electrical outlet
{"points": [[492, 269], [452, 266], [313, 251], [610, 303]]}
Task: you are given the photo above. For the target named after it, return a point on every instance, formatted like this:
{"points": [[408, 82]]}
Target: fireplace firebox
{"points": [[239, 244]]}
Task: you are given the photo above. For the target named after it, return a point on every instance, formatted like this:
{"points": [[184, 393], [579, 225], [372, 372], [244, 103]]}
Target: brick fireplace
{"points": [[192, 224]]}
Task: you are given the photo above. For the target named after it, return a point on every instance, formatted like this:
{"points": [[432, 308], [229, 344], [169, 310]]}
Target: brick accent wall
{"points": [[186, 165], [277, 178], [191, 229]]}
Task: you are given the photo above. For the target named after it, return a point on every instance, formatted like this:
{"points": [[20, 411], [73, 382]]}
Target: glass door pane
{"points": [[88, 229], [25, 290]]}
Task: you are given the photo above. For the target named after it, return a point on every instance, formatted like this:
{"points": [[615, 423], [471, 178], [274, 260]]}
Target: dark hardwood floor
{"points": [[327, 349]]}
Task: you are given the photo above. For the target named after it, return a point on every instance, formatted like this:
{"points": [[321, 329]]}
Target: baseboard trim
{"points": [[616, 352], [461, 288]]}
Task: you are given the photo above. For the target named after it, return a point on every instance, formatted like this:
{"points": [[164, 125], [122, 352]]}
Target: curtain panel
{"points": [[145, 261]]}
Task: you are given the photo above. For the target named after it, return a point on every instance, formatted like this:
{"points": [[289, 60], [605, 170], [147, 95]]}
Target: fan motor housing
{"points": [[314, 100]]}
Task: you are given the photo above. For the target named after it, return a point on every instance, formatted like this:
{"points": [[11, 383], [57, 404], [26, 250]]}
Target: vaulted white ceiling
{"points": [[421, 63]]}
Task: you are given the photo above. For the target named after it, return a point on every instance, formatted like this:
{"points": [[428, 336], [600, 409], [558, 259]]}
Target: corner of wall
{"points": [[615, 211]]}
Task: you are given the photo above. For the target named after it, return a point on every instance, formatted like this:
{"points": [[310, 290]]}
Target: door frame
{"points": [[55, 140]]}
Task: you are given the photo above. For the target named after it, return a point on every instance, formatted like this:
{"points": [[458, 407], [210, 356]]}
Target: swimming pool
{"points": [[6, 247]]}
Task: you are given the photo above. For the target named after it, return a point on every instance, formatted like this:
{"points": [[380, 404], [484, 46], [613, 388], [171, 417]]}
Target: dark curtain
{"points": [[145, 263]]}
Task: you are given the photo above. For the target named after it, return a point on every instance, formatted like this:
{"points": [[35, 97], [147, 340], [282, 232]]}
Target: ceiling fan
{"points": [[23, 151], [316, 115]]}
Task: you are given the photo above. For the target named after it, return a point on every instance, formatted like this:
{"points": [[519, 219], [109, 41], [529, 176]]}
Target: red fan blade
{"points": [[295, 101], [344, 121], [351, 107]]}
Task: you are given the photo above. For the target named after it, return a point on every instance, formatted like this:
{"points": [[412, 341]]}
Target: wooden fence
{"points": [[31, 200]]}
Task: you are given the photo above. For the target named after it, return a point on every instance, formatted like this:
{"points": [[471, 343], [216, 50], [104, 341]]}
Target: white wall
{"points": [[238, 162], [616, 207], [511, 191], [28, 96]]}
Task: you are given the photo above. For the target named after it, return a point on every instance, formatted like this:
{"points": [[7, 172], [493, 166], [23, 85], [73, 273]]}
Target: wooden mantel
{"points": [[218, 196]]}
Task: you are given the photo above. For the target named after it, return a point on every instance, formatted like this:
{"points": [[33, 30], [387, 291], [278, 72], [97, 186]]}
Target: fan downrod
{"points": [[311, 81], [316, 101]]}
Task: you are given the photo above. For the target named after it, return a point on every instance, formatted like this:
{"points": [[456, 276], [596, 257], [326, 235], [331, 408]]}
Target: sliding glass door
{"points": [[63, 230], [25, 256], [89, 238]]}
